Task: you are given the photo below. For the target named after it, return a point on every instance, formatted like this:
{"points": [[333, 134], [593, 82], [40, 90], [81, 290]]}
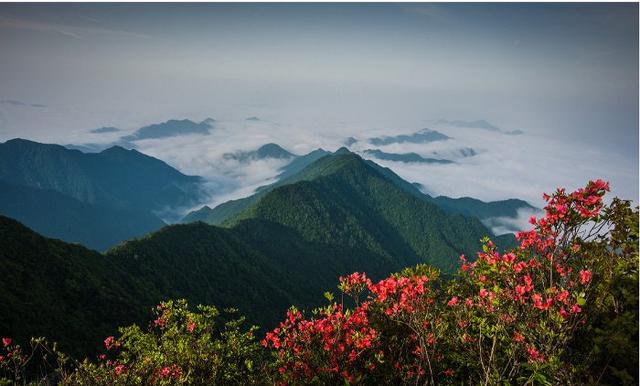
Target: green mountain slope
{"points": [[56, 215], [341, 215], [230, 208], [473, 207], [292, 173], [341, 200], [66, 292], [114, 177]]}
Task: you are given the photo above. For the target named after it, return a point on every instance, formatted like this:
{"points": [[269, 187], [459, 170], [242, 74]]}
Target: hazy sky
{"points": [[565, 72]]}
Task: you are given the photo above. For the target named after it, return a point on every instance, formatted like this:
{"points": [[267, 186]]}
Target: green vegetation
{"points": [[561, 308], [301, 169], [65, 292], [97, 199], [114, 177], [63, 217], [341, 216]]}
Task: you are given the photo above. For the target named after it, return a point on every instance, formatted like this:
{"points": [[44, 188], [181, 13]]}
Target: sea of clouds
{"points": [[505, 166]]}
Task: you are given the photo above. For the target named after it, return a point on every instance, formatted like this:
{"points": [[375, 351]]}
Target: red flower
{"points": [[576, 309], [119, 369], [6, 341], [453, 301], [109, 342], [191, 326], [563, 313], [563, 296], [483, 293], [159, 322], [534, 354], [585, 276], [508, 258], [517, 337], [449, 372]]}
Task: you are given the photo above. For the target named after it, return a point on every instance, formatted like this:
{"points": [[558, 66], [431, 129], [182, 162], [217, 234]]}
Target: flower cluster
{"points": [[504, 309]]}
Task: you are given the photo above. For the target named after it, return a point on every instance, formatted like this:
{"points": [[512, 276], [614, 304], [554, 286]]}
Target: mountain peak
{"points": [[272, 150], [343, 150]]}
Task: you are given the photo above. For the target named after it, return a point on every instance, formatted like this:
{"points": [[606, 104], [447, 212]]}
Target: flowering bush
{"points": [[561, 308], [180, 347], [508, 318]]}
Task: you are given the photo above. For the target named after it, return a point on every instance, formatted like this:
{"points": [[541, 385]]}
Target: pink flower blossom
{"points": [[585, 276]]}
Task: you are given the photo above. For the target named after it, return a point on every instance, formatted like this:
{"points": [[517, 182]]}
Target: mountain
{"points": [[343, 201], [338, 215], [98, 147], [404, 157], [483, 210], [227, 209], [63, 291], [456, 153], [270, 150], [56, 215], [102, 130], [115, 177], [291, 174], [422, 136], [350, 141], [171, 128]]}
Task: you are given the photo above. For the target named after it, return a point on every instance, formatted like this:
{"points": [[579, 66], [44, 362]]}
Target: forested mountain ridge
{"points": [[295, 171], [57, 215], [66, 292], [114, 177], [97, 199], [342, 215]]}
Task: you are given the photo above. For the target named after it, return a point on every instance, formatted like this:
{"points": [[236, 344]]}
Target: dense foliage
{"points": [[310, 166], [65, 292], [561, 308], [511, 318], [347, 217]]}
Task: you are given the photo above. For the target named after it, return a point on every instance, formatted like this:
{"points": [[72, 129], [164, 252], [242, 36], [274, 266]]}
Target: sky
{"points": [[564, 74]]}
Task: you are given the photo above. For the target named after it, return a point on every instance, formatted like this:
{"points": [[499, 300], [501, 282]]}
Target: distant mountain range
{"points": [[270, 150], [421, 136], [63, 217], [102, 130], [227, 209], [404, 157], [90, 191], [291, 174], [288, 245], [171, 128], [464, 152]]}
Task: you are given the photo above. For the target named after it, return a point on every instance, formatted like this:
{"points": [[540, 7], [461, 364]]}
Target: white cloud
{"points": [[506, 166]]}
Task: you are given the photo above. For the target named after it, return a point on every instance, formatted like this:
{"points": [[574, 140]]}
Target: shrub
{"points": [[507, 318]]}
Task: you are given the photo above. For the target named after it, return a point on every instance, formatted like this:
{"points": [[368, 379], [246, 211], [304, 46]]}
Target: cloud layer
{"points": [[502, 167]]}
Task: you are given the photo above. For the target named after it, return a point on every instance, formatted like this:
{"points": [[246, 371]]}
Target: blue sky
{"points": [[563, 71]]}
